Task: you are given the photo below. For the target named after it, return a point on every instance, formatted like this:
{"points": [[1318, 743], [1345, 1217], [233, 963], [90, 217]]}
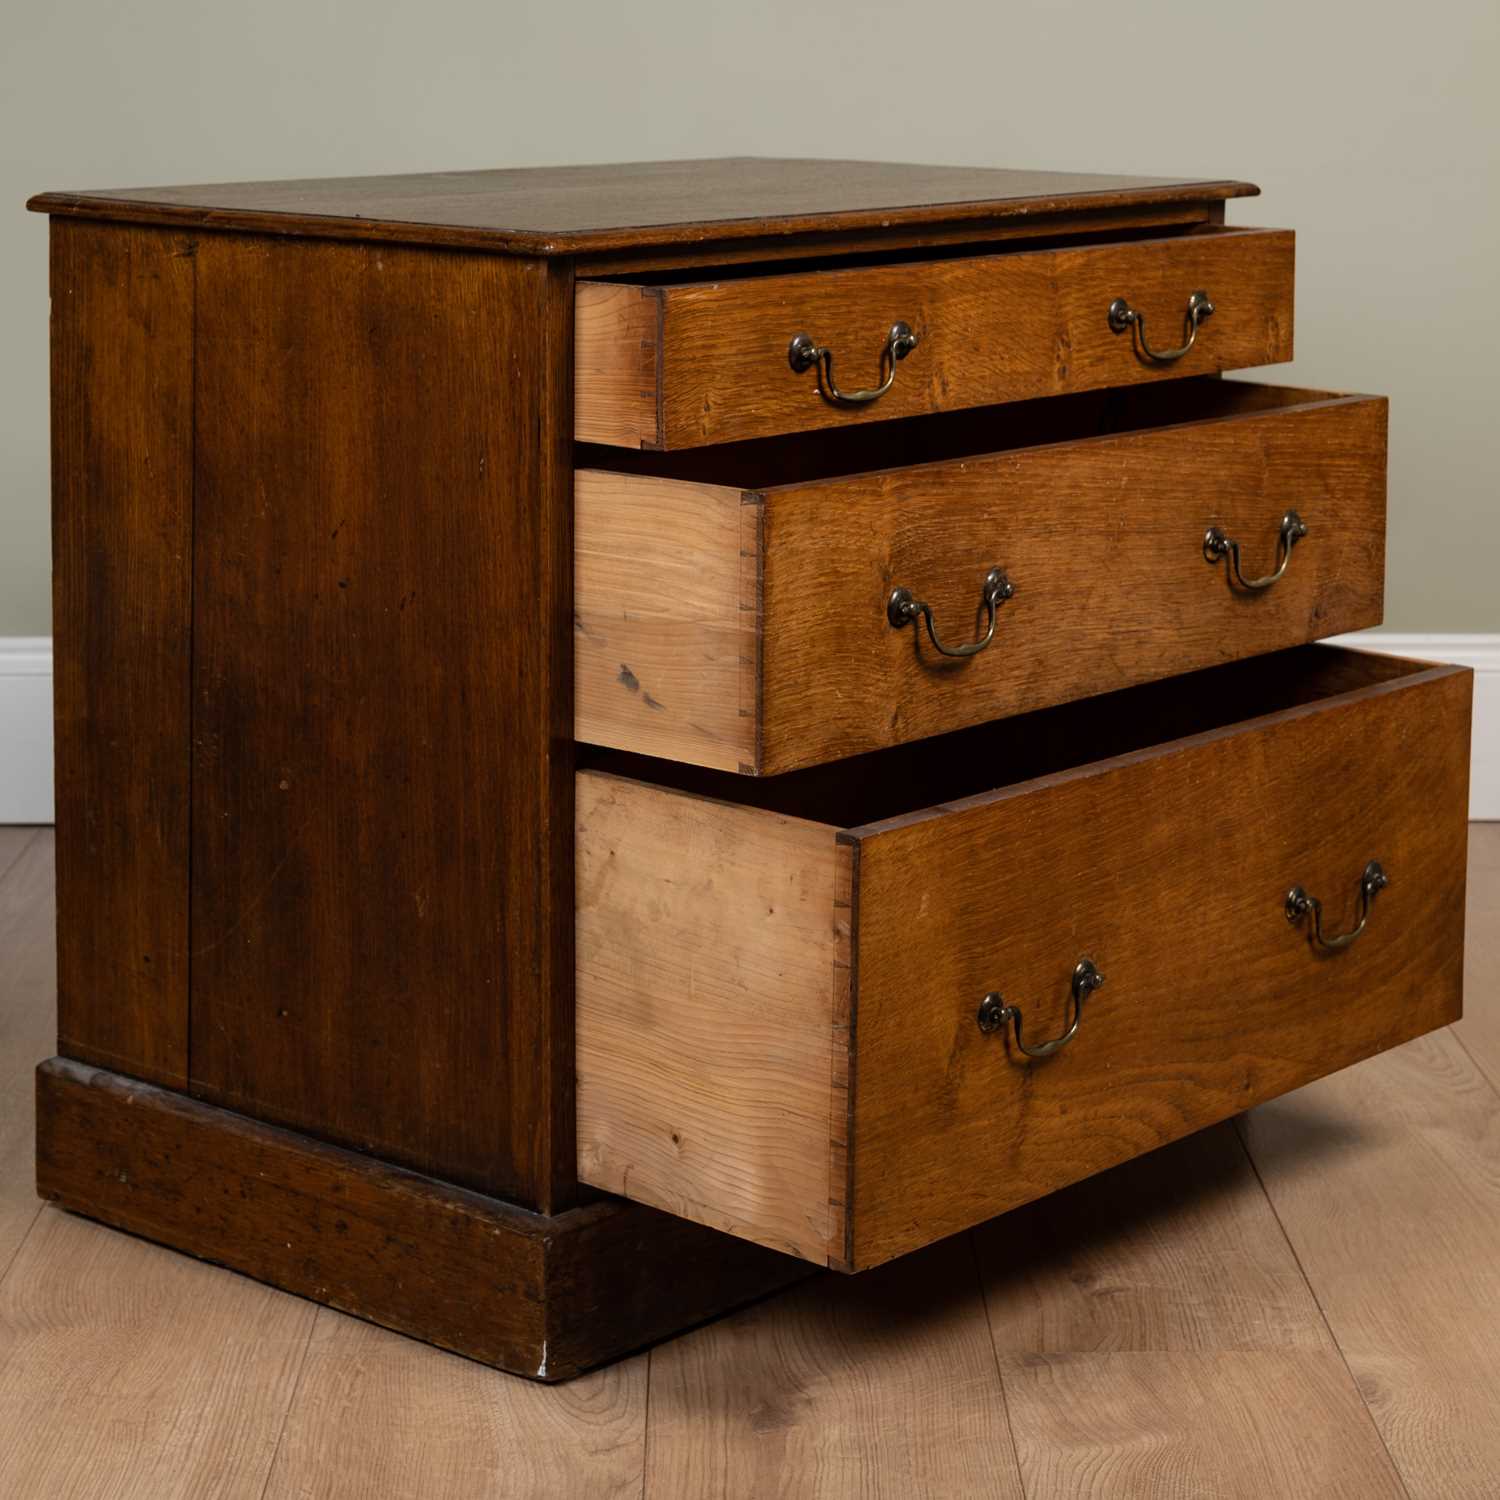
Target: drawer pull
{"points": [[1217, 545], [994, 1013], [1122, 316], [1299, 903], [904, 606], [805, 354]]}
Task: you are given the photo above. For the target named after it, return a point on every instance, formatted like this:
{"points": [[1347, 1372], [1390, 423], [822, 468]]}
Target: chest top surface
{"points": [[590, 209]]}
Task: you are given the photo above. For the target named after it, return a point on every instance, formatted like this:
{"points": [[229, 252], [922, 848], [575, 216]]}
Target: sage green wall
{"points": [[1374, 132]]}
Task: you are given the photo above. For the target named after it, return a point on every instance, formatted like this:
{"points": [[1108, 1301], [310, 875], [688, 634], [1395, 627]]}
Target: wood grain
{"points": [[542, 1296], [1169, 869], [967, 236], [1109, 592], [1103, 542], [993, 328], [697, 1087], [666, 645], [122, 493], [1177, 1251], [378, 1415], [1170, 1261], [1387, 1185], [573, 210], [1157, 1336], [615, 350], [711, 946], [132, 1372], [382, 891], [13, 842], [877, 1386], [28, 1017], [1234, 1426]]}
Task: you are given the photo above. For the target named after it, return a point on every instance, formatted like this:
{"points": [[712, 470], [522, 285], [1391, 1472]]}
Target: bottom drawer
{"points": [[785, 988]]}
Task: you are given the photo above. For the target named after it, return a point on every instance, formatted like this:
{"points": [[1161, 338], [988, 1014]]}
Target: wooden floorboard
{"points": [[28, 1019], [878, 1385], [1176, 1252], [1387, 1180], [131, 1372], [1318, 1317], [1237, 1425], [1156, 1335], [13, 840], [380, 1416]]}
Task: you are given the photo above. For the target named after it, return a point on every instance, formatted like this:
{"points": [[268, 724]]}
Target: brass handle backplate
{"points": [[904, 606], [995, 1013], [1123, 316], [1299, 903], [1217, 545], [805, 353]]}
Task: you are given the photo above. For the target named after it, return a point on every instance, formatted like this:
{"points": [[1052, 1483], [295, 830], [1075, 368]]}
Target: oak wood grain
{"points": [[1103, 543], [1175, 1251], [1101, 536], [615, 352], [1131, 1295], [576, 209], [128, 1371], [545, 1296], [1234, 1425], [1154, 1263], [876, 1386], [28, 1017], [992, 328], [378, 1415], [1167, 863], [666, 645], [13, 842], [1169, 869], [712, 945], [1387, 1184], [382, 890], [122, 493]]}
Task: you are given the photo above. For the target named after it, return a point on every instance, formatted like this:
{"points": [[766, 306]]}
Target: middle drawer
{"points": [[761, 607]]}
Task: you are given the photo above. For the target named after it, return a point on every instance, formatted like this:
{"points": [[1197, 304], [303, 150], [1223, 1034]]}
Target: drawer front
{"points": [[752, 632], [678, 366], [778, 1022]]}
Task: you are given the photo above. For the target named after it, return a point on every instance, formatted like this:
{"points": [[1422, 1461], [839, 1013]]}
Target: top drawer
{"points": [[680, 365]]}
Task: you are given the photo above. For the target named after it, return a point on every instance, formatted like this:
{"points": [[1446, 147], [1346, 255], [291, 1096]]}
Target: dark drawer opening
{"points": [[798, 458], [890, 783]]}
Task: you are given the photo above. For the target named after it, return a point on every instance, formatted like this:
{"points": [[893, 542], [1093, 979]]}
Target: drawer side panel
{"points": [[617, 365], [667, 619], [712, 985]]}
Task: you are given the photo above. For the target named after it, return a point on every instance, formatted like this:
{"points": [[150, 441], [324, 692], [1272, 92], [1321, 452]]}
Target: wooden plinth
{"points": [[546, 1297]]}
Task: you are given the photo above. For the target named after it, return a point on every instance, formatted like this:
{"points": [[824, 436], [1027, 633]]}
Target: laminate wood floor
{"points": [[1303, 1302]]}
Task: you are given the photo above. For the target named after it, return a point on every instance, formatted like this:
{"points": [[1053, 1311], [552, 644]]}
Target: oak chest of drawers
{"points": [[624, 733]]}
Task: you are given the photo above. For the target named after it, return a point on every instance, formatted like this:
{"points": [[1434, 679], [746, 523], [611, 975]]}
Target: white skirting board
{"points": [[26, 715], [25, 729]]}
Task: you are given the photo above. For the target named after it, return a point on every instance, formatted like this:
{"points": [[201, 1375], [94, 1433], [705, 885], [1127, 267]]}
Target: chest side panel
{"points": [[382, 887]]}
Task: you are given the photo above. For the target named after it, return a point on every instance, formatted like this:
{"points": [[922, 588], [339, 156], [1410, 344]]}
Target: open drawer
{"points": [[676, 364], [784, 1028], [734, 606]]}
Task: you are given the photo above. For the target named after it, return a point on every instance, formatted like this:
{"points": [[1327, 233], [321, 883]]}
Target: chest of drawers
{"points": [[624, 733]]}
